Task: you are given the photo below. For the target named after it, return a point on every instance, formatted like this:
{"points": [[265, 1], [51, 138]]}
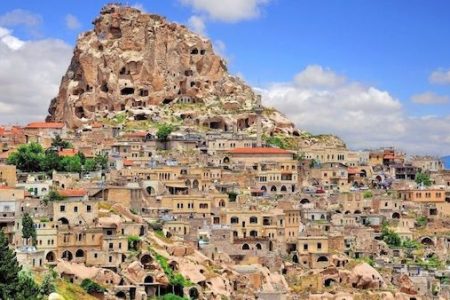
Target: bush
{"points": [[367, 194], [92, 287], [390, 237], [232, 196], [174, 278], [133, 242]]}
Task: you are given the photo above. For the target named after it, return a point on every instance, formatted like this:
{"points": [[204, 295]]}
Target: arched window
{"points": [[253, 233], [245, 247], [258, 246], [253, 220], [273, 189], [283, 188], [234, 220]]}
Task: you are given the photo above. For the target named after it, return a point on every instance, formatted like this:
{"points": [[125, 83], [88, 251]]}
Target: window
{"points": [[75, 209], [88, 208], [319, 245], [111, 246], [62, 208], [305, 247]]}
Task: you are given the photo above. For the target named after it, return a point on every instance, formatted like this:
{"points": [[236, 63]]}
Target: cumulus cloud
{"points": [[430, 98], [20, 17], [317, 76], [227, 11], [30, 73], [72, 22], [440, 76], [197, 24], [9, 40], [363, 116]]}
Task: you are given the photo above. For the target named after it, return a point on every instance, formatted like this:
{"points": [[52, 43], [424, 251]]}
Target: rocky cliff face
{"points": [[146, 68]]}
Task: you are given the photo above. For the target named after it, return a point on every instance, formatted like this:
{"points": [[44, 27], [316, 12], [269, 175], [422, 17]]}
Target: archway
{"points": [[283, 188], [63, 221], [67, 255], [427, 241], [195, 184], [357, 211], [264, 189], [148, 279], [79, 253], [50, 257], [121, 295], [258, 246], [273, 188], [146, 259], [304, 201], [150, 190], [322, 259], [295, 259], [193, 293], [245, 247], [396, 215], [329, 282]]}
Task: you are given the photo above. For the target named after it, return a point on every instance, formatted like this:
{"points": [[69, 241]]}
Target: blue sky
{"points": [[392, 46]]}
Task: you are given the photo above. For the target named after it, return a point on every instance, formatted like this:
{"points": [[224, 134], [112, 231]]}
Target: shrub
{"points": [[92, 287]]}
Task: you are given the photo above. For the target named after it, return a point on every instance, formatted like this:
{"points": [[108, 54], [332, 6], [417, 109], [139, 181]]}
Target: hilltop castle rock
{"points": [[142, 65]]}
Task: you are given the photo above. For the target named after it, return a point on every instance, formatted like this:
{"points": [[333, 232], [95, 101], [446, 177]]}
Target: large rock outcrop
{"points": [[141, 65]]}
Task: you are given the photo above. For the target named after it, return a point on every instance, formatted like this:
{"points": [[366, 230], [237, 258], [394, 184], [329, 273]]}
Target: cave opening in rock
{"points": [[127, 91]]}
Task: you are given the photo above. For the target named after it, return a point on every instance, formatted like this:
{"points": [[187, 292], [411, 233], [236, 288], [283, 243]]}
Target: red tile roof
{"points": [[353, 170], [73, 193], [39, 125], [67, 152], [259, 150], [136, 134], [127, 162]]}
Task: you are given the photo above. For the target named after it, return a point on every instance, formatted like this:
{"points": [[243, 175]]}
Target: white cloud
{"points": [[29, 76], [363, 116], [9, 40], [72, 22], [228, 11], [317, 76], [440, 76], [430, 98], [197, 25], [20, 17]]}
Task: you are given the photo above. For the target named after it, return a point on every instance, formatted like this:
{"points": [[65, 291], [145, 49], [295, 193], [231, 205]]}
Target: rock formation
{"points": [[142, 65]]}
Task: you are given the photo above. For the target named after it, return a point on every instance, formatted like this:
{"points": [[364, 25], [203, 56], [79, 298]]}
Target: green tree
{"points": [[101, 160], [422, 178], [71, 164], [48, 285], [28, 289], [28, 157], [28, 229], [52, 196], [90, 165], [9, 270], [410, 246], [390, 237], [164, 130], [59, 143], [51, 161]]}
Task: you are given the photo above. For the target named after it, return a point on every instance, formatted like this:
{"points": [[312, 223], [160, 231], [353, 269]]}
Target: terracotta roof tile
{"points": [[73, 193], [39, 125]]}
